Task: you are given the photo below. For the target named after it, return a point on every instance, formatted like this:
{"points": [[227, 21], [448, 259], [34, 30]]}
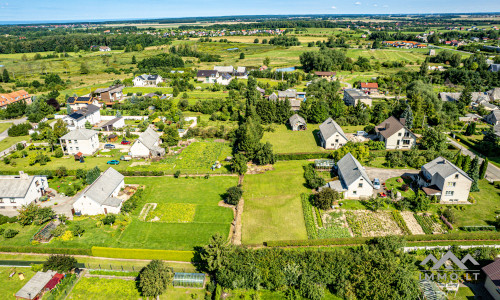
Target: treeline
{"points": [[160, 61], [286, 41]]}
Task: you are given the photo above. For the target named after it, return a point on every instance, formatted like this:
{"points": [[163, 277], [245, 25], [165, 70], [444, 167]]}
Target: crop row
{"points": [[312, 232], [401, 222]]}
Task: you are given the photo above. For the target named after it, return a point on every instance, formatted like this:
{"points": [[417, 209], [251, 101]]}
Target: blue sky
{"points": [[42, 10]]}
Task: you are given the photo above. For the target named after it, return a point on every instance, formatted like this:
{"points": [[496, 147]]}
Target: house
{"points": [[297, 123], [241, 73], [494, 94], [496, 130], [76, 103], [493, 117], [207, 76], [113, 124], [77, 119], [81, 140], [492, 282], [295, 98], [369, 87], [260, 90], [7, 99], [263, 68], [224, 79], [443, 179], [326, 75], [147, 80], [395, 134], [110, 95], [331, 135], [35, 287], [354, 96], [224, 69], [353, 181], [147, 145], [22, 189], [101, 196], [104, 49], [470, 118], [494, 68]]}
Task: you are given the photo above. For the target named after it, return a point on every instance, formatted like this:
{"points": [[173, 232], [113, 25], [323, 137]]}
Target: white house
{"points": [[493, 117], [77, 119], [147, 145], [18, 190], [207, 76], [76, 103], [353, 181], [443, 179], [147, 80], [81, 140], [113, 124], [331, 135], [101, 196], [224, 79], [395, 134], [492, 282]]}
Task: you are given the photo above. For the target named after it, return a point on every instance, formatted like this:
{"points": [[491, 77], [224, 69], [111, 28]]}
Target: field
{"points": [[10, 286], [366, 223], [485, 208], [5, 126], [334, 226], [393, 184], [9, 141], [273, 210]]}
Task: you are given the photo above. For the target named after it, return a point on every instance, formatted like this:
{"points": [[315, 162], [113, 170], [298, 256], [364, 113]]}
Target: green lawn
{"points": [[484, 211], [147, 90], [5, 126], [273, 210], [10, 286], [393, 184], [9, 141]]}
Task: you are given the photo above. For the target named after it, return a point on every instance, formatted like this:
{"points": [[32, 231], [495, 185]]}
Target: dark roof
{"points": [[443, 167], [206, 73], [389, 127], [493, 272], [431, 190], [72, 100], [85, 111], [329, 127]]}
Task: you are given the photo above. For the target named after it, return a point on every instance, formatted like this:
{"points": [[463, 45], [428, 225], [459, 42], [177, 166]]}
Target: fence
{"points": [[125, 268], [62, 290]]}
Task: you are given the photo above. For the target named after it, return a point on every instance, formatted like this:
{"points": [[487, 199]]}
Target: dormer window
{"points": [[456, 176]]}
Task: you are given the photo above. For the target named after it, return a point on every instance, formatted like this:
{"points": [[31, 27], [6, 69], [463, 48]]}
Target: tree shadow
{"points": [[315, 132]]}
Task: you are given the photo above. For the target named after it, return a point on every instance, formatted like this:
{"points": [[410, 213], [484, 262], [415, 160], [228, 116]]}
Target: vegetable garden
{"points": [[370, 224]]}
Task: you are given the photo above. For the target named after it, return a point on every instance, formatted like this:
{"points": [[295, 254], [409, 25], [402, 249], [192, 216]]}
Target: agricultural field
{"points": [[334, 226], [273, 209], [430, 224], [412, 223], [10, 285], [369, 224]]}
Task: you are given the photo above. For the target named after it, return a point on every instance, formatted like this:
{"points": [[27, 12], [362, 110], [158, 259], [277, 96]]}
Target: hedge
{"points": [[479, 228], [172, 255], [312, 232], [302, 156], [484, 235], [33, 249]]}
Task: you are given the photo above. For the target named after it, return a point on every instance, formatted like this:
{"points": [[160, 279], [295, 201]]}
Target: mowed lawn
{"points": [[484, 211], [209, 218], [10, 286], [5, 126], [273, 210]]}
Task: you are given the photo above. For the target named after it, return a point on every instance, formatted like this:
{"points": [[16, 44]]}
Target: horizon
{"points": [[58, 11]]}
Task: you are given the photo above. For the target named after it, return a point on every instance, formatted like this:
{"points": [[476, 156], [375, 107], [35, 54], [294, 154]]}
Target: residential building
{"points": [[443, 179], [81, 140], [496, 130], [109, 95], [395, 134], [113, 124], [241, 73], [470, 118], [7, 99], [147, 80], [353, 181], [494, 94], [147, 145], [369, 87], [35, 287], [77, 119], [295, 98], [331, 135], [492, 282], [297, 123], [207, 76], [330, 76], [261, 91], [104, 49], [494, 68], [22, 189], [76, 103], [493, 117], [224, 69], [354, 96], [101, 196], [224, 79]]}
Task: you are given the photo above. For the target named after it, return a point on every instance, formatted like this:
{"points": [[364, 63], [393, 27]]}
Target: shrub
{"points": [[36, 267], [177, 174], [58, 153], [58, 231], [445, 221], [172, 255], [60, 263], [449, 214], [132, 202], [313, 180], [10, 233], [61, 172], [109, 219], [34, 214], [324, 199], [479, 228], [31, 249], [302, 156], [20, 129], [233, 195], [312, 232]]}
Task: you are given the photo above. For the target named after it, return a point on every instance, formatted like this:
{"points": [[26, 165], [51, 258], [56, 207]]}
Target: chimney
{"points": [[403, 121], [387, 125]]}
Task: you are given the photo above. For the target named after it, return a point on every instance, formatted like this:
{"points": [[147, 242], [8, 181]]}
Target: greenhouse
{"points": [[189, 279], [324, 163]]}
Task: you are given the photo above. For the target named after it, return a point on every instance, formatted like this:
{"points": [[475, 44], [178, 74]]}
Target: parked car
{"points": [[113, 162], [126, 157], [109, 146], [376, 183], [126, 142]]}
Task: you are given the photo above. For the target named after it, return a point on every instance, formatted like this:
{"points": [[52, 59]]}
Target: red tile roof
{"points": [[54, 281], [6, 99], [369, 85]]}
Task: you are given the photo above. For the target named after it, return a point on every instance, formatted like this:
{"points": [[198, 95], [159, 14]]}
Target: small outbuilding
{"points": [[297, 123]]}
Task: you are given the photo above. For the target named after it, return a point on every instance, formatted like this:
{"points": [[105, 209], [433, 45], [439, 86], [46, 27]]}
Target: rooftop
{"points": [[443, 168], [102, 189], [351, 170], [79, 134], [35, 285], [85, 111], [390, 126], [329, 128], [15, 186]]}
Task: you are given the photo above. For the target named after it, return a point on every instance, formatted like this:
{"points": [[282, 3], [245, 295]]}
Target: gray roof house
{"points": [[147, 145], [353, 180], [81, 140], [354, 96], [494, 94], [331, 135], [22, 189], [101, 196], [79, 134], [297, 123], [34, 287], [443, 179], [493, 117]]}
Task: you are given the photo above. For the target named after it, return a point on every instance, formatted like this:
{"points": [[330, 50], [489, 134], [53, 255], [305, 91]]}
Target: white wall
{"points": [[335, 141], [88, 206], [392, 141], [356, 192], [87, 147], [33, 193], [139, 150], [492, 289], [460, 190]]}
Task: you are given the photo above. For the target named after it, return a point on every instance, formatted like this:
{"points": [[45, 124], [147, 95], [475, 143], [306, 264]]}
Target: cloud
{"points": [[334, 7], [357, 3]]}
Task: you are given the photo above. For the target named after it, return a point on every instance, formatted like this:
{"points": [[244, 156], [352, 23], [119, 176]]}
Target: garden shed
{"points": [[112, 138], [189, 279]]}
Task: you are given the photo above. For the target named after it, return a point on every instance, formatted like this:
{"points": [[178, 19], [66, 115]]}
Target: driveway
{"points": [[64, 204], [384, 174]]}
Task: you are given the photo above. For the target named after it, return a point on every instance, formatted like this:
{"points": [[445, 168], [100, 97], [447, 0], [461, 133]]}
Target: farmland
{"points": [[366, 223]]}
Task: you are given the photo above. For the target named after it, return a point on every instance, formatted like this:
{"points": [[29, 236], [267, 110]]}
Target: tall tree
{"points": [[483, 168], [474, 174], [5, 77], [408, 116], [155, 278], [424, 68], [215, 253], [465, 98], [466, 164]]}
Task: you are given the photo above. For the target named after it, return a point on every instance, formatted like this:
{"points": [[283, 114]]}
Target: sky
{"points": [[54, 10]]}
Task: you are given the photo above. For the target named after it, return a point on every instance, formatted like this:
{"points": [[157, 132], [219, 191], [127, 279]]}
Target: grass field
{"points": [[273, 210], [5, 126], [10, 286], [9, 141], [483, 212], [147, 90]]}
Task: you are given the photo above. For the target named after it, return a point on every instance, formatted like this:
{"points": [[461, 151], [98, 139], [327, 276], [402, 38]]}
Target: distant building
{"points": [[22, 189], [77, 119], [7, 99], [353, 181], [81, 140], [295, 98], [326, 75], [297, 123], [76, 103], [147, 145], [104, 49], [369, 87], [146, 80], [113, 124], [395, 134], [109, 95], [493, 117], [207, 76], [331, 135], [36, 286], [354, 96]]}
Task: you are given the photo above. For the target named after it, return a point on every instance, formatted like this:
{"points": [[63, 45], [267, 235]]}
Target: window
{"points": [[360, 185], [456, 176], [406, 142], [407, 134], [452, 184], [77, 148], [354, 192], [337, 140], [449, 193], [1, 200], [12, 200], [399, 134], [398, 142]]}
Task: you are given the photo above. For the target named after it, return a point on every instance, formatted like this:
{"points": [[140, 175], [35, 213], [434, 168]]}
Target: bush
{"points": [[313, 180], [34, 214], [479, 228], [61, 172], [324, 199], [20, 129], [31, 249], [60, 263], [58, 153], [312, 231], [177, 174], [172, 255], [233, 195], [449, 214], [58, 231], [10, 233], [302, 156]]}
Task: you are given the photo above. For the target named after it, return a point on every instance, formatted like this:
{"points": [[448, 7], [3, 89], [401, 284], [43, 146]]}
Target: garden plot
{"points": [[145, 210], [430, 224], [412, 223], [370, 224], [172, 213], [334, 226]]}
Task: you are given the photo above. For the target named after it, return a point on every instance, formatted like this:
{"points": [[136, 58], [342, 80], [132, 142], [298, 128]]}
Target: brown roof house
{"points": [[395, 134], [370, 87], [326, 75], [492, 282]]}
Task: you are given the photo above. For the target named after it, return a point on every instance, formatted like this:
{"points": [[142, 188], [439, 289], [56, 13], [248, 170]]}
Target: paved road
{"points": [[492, 173], [4, 134]]}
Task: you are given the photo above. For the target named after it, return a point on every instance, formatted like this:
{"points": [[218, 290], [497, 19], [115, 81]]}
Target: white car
{"points": [[376, 183]]}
